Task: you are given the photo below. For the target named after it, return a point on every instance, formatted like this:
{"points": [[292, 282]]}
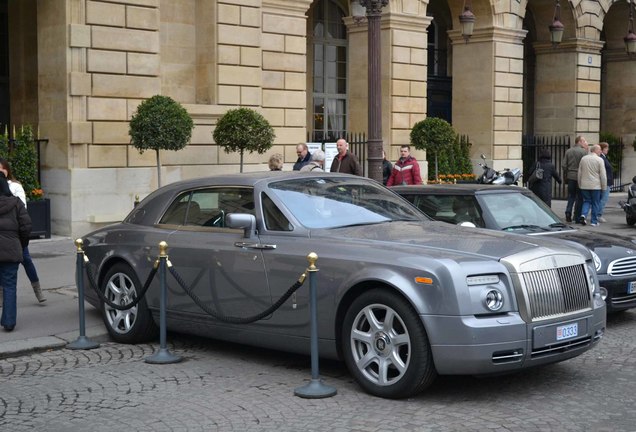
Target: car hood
{"points": [[438, 236], [606, 245]]}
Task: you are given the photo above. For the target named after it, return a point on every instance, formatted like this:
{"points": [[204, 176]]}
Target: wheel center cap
{"points": [[382, 343]]}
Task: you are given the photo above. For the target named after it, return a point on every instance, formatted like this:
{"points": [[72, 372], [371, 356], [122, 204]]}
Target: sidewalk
{"points": [[55, 322]]}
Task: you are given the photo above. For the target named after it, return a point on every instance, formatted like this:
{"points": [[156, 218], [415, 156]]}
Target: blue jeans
{"points": [[604, 198], [8, 282], [29, 267], [591, 198]]}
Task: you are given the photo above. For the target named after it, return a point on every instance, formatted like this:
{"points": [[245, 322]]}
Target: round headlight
{"points": [[597, 260], [494, 300]]}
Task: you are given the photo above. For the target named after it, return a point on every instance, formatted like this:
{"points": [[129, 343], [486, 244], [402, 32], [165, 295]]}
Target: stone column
{"points": [[489, 109], [567, 89]]}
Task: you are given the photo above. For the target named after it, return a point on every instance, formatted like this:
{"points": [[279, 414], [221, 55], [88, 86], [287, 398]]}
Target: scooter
{"points": [[629, 206], [506, 177]]}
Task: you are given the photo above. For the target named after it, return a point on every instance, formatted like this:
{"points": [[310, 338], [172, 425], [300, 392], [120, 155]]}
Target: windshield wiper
{"points": [[513, 227]]}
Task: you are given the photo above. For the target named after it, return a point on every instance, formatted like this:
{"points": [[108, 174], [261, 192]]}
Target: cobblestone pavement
{"points": [[226, 387]]}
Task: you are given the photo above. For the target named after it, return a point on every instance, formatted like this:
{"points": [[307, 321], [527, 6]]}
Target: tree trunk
{"points": [[241, 160], [158, 169]]}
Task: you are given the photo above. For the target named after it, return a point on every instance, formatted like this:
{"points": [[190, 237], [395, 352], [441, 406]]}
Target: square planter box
{"points": [[40, 213]]}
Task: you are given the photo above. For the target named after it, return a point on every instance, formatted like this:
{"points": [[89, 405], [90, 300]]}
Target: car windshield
{"points": [[328, 202], [517, 211]]}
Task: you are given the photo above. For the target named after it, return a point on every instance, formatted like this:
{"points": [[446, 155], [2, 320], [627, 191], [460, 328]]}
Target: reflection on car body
{"points": [[401, 298], [518, 210]]}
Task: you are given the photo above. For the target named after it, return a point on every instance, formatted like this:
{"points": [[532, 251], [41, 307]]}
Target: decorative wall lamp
{"points": [[630, 39], [467, 20], [556, 28]]}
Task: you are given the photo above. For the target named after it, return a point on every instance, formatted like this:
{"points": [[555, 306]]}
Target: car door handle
{"points": [[254, 245]]}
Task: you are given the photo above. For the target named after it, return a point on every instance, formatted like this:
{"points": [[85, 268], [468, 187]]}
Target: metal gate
{"points": [[557, 146]]}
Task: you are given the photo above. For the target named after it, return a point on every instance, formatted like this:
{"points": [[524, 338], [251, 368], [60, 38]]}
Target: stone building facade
{"points": [[78, 69]]}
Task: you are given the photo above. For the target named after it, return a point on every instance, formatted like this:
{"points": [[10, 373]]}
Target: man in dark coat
{"points": [[15, 227], [543, 187], [345, 161], [303, 156]]}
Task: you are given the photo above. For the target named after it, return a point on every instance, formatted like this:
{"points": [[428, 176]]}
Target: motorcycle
{"points": [[629, 206], [491, 176]]}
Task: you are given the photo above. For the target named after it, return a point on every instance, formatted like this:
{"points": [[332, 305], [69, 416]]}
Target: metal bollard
{"points": [[163, 356], [82, 342], [315, 389]]}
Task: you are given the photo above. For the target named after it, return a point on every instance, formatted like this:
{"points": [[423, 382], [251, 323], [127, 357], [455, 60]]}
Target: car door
{"points": [[208, 256]]}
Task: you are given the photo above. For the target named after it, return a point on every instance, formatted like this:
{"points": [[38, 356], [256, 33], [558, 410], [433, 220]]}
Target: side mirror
{"points": [[244, 221], [483, 156]]}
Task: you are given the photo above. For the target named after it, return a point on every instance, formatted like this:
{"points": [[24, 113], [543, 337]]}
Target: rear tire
{"points": [[385, 346], [121, 285], [631, 220]]}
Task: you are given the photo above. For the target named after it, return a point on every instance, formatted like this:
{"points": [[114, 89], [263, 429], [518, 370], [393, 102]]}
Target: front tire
{"points": [[120, 286], [385, 346], [630, 219]]}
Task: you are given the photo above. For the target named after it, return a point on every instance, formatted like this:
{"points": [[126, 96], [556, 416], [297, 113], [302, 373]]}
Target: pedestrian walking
{"points": [[543, 187], [15, 228], [610, 180], [27, 262], [406, 171], [592, 181], [570, 166]]}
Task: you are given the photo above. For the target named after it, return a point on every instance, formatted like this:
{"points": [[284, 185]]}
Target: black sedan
{"points": [[518, 210]]}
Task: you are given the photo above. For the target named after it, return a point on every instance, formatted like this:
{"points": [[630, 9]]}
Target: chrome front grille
{"points": [[622, 267], [559, 291]]}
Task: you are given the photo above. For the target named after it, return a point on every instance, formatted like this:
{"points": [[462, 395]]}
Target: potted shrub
{"points": [[160, 123], [243, 129], [21, 152]]}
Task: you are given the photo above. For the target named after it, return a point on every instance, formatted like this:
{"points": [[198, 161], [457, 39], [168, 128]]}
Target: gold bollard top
{"points": [[312, 257], [163, 249], [78, 244]]}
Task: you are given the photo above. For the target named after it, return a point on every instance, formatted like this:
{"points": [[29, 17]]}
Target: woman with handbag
{"points": [[541, 175]]}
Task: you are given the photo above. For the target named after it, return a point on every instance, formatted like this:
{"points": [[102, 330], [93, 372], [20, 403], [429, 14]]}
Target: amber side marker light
{"points": [[424, 280]]}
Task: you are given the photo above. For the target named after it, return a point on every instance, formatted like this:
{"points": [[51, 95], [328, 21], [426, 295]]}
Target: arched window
{"points": [[329, 70]]}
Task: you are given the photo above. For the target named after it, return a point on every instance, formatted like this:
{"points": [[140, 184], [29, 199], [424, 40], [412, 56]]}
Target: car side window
{"points": [[209, 207], [275, 220], [453, 209]]}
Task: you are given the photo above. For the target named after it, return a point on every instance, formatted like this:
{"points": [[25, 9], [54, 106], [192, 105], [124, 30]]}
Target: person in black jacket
{"points": [[543, 187], [15, 228], [387, 167], [303, 156]]}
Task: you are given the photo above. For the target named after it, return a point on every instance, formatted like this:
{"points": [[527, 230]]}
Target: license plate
{"points": [[567, 331], [631, 288]]}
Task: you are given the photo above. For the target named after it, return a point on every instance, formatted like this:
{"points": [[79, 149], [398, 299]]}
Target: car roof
{"points": [[457, 189]]}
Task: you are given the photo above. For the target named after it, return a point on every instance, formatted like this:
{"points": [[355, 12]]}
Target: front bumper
{"points": [[470, 345], [617, 296]]}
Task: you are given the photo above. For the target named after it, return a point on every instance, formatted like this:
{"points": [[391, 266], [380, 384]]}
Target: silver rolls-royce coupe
{"points": [[401, 298]]}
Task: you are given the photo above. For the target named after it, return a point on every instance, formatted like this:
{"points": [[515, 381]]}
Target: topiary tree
{"points": [[242, 130], [434, 135], [160, 123], [23, 158]]}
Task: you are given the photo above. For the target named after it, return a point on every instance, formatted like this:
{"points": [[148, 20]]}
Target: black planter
{"points": [[40, 213]]}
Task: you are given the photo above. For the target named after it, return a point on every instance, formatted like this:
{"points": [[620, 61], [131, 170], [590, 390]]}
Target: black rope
{"points": [[233, 319], [136, 299]]}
